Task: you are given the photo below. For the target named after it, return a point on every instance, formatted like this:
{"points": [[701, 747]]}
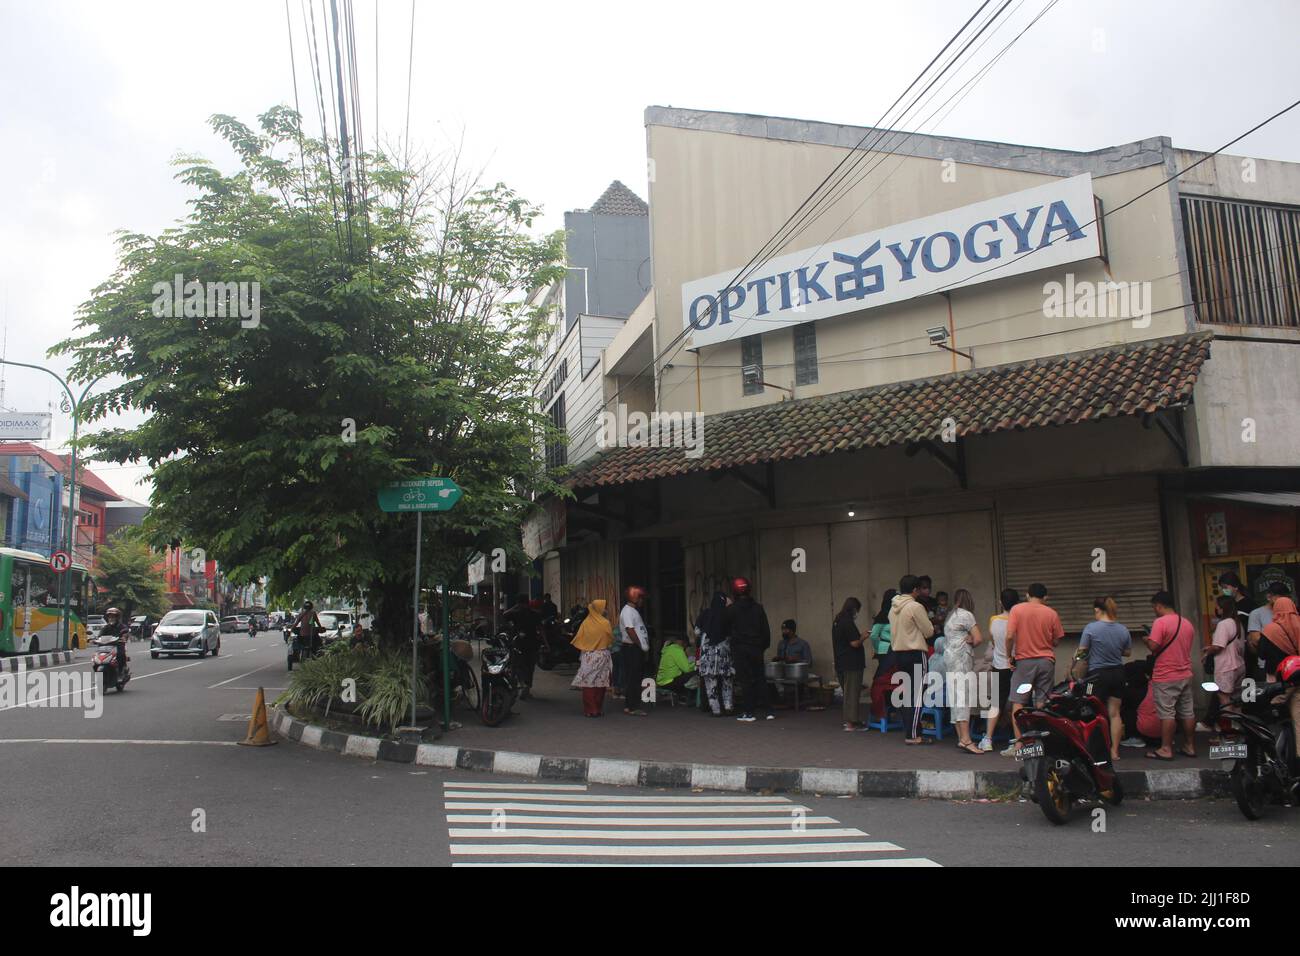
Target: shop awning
{"points": [[1140, 378], [9, 490], [1266, 499]]}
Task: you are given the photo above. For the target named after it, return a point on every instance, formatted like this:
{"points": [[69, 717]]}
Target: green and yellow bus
{"points": [[31, 603]]}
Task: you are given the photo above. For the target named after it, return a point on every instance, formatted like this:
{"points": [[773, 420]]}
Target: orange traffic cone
{"points": [[259, 732]]}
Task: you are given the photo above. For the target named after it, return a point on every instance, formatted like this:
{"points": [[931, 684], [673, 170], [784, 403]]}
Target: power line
{"points": [[764, 253], [885, 154]]}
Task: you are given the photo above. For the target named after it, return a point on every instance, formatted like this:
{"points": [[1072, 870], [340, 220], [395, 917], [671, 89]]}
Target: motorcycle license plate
{"points": [[1030, 750], [1227, 751]]}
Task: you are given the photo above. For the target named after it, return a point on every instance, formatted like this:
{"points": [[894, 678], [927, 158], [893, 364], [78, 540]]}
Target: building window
{"points": [[557, 452], [805, 354], [751, 358], [1244, 261]]}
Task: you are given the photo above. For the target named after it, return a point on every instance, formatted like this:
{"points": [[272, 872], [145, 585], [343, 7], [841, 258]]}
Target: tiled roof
{"points": [[618, 200], [1061, 390], [87, 480]]}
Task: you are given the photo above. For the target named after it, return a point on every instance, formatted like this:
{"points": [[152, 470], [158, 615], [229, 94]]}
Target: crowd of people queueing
{"points": [[1149, 701]]}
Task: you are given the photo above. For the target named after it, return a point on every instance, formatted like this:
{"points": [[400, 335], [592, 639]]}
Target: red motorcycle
{"points": [[1065, 750]]}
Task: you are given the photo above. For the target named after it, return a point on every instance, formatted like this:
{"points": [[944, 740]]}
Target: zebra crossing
{"points": [[558, 824]]}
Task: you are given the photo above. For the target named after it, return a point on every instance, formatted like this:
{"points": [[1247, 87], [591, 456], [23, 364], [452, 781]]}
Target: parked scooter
{"points": [[555, 647], [104, 660], [498, 685], [1266, 769], [1065, 750]]}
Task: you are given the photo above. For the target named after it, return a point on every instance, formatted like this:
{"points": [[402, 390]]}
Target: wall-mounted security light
{"points": [[938, 337], [753, 375]]}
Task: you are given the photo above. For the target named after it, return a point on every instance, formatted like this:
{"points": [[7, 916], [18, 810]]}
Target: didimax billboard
{"points": [[1049, 225]]}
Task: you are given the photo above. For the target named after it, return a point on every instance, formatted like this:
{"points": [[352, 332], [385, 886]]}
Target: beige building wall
{"points": [[717, 197]]}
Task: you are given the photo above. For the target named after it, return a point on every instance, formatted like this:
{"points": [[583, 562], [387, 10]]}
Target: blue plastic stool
{"points": [[937, 713], [891, 721]]}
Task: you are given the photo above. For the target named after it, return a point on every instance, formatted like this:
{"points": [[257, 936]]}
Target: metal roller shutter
{"points": [[1056, 547]]}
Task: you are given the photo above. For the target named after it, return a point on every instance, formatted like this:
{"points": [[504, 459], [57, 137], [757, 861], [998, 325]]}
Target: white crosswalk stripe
{"points": [[505, 824]]}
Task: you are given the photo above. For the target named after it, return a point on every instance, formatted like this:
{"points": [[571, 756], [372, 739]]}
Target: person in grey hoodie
{"points": [[909, 629]]}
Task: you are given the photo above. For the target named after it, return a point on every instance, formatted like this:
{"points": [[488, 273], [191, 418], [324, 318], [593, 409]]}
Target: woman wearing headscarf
{"points": [[714, 665], [1281, 640], [595, 665]]}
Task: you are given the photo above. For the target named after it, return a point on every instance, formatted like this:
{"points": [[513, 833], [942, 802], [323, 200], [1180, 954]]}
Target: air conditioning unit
{"points": [[751, 374]]}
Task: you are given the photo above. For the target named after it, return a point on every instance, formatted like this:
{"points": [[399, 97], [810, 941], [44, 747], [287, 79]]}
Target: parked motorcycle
{"points": [[104, 660], [1065, 750], [498, 685], [1265, 768], [555, 647]]}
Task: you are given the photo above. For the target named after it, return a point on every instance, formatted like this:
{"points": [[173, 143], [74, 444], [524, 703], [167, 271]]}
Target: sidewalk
{"points": [[548, 738], [551, 723]]}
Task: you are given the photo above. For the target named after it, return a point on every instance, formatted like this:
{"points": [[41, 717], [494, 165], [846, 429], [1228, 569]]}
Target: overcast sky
{"points": [[549, 98]]}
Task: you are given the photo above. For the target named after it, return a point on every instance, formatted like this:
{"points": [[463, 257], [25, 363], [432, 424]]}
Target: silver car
{"points": [[186, 632]]}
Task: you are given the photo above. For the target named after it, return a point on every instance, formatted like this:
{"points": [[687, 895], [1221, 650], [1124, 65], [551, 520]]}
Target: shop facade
{"points": [[1047, 436]]}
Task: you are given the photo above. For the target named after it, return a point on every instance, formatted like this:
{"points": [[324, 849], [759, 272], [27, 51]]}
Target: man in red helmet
{"points": [[1278, 644], [745, 626], [635, 640]]}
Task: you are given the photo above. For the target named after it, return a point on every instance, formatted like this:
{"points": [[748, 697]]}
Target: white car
{"points": [[337, 624], [186, 632]]}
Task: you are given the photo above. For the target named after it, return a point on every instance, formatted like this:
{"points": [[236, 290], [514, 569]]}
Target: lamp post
{"points": [[75, 404]]}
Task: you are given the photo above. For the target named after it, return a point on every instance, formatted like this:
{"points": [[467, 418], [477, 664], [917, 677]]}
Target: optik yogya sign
{"points": [[1022, 232]]}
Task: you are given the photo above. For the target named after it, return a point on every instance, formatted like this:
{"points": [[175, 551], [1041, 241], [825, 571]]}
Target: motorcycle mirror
{"points": [[1210, 686], [1024, 688]]}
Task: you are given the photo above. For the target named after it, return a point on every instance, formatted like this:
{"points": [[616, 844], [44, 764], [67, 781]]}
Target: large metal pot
{"points": [[775, 670], [796, 672]]}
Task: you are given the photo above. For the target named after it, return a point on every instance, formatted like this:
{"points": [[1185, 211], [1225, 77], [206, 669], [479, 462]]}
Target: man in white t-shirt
{"points": [[1002, 669], [635, 641]]}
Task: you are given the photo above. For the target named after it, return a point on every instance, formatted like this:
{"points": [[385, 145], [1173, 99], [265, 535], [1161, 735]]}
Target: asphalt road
{"points": [[161, 763]]}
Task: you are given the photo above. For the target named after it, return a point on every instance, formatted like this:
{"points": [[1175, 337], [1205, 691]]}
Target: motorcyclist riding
{"points": [[308, 627], [252, 626], [114, 628]]}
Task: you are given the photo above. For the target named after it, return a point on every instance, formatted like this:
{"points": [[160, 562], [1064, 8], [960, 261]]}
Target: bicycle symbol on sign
{"points": [[413, 495]]}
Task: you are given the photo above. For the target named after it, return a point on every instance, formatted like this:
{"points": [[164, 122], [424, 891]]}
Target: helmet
{"points": [[740, 586], [112, 612], [308, 606], [1288, 671]]}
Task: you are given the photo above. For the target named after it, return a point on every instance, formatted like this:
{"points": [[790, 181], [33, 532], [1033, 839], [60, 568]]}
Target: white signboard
{"points": [[478, 570], [31, 426], [1022, 232]]}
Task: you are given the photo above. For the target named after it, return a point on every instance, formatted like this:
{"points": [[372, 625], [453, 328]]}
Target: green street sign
{"points": [[420, 494]]}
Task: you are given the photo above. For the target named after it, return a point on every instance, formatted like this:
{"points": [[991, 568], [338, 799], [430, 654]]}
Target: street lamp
{"points": [[75, 404]]}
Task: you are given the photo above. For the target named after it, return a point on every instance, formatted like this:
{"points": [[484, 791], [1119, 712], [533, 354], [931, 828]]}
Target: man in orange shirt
{"points": [[1033, 631]]}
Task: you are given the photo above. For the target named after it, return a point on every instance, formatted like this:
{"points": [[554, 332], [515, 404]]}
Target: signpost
{"points": [[60, 562], [421, 495]]}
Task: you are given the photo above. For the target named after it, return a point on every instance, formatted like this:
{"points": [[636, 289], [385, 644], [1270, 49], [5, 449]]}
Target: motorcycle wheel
{"points": [[1248, 788], [153, 654], [1117, 792], [496, 706], [1052, 796], [545, 657]]}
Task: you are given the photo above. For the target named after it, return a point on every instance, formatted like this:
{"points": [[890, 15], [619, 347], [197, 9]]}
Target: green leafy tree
{"points": [[128, 574], [393, 340]]}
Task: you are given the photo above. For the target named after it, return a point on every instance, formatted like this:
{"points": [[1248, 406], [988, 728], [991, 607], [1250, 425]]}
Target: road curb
{"points": [[1164, 784], [29, 662]]}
